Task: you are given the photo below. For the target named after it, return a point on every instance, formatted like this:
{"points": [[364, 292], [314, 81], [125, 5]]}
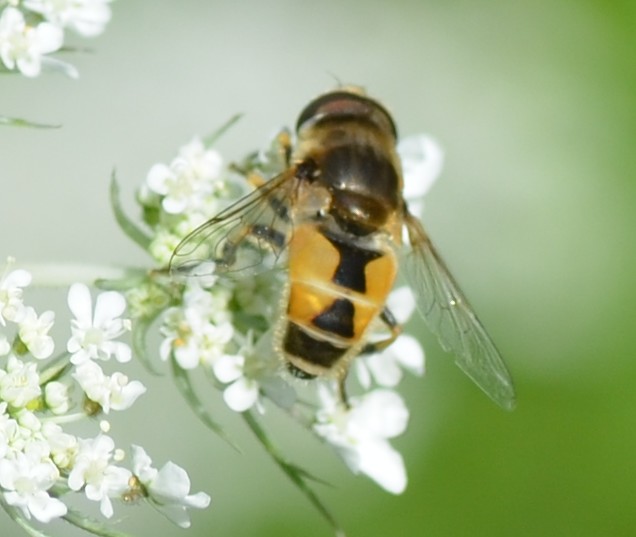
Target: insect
{"points": [[336, 216]]}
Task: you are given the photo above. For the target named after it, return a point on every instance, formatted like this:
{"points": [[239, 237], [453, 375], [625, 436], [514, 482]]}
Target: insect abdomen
{"points": [[336, 289]]}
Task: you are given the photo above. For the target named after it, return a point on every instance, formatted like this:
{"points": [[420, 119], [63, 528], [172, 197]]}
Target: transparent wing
{"points": [[246, 238], [450, 316]]}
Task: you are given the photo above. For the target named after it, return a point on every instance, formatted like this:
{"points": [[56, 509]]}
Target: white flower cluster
{"points": [[42, 462], [31, 29], [202, 329], [179, 196], [225, 325]]}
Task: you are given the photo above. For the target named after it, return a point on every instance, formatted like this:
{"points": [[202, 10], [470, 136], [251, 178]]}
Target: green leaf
{"points": [[212, 138], [128, 226], [296, 474], [18, 122], [184, 385], [91, 525], [139, 331]]}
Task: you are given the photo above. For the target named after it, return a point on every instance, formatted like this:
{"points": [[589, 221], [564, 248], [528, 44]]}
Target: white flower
{"points": [[8, 430], [23, 46], [56, 397], [210, 303], [93, 471], [11, 305], [191, 332], [114, 392], [203, 163], [29, 423], [242, 392], [25, 479], [402, 304], [168, 489], [34, 332], [163, 245], [176, 190], [422, 159], [5, 346], [93, 334], [13, 438], [86, 17], [20, 383], [360, 434], [386, 367], [63, 446], [188, 180]]}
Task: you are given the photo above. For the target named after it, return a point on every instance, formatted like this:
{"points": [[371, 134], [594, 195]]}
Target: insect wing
{"points": [[450, 316], [244, 239]]}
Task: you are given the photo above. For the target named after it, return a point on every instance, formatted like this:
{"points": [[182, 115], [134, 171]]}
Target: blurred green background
{"points": [[535, 106]]}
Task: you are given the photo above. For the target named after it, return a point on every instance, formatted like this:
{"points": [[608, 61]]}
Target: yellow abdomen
{"points": [[337, 288]]}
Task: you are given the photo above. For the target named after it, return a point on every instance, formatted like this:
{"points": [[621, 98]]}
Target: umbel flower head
{"points": [[30, 30], [224, 325], [217, 328], [42, 463]]}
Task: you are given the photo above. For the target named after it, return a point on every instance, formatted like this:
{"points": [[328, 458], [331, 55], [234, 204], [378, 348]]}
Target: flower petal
{"points": [[380, 414], [17, 278], [228, 368], [384, 465], [422, 160], [409, 354], [402, 304], [384, 368], [45, 508], [50, 37], [172, 482], [157, 178], [241, 395], [109, 305], [80, 302]]}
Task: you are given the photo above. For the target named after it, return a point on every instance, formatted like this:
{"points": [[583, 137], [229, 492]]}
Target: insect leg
{"points": [[274, 238], [342, 392], [377, 346], [390, 322], [280, 151], [263, 235], [285, 143]]}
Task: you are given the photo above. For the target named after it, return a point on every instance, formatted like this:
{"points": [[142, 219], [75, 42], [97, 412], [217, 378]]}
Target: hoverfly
{"points": [[338, 213]]}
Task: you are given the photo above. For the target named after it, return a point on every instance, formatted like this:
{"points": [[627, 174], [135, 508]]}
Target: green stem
{"points": [[65, 274], [93, 526], [212, 138], [293, 472], [18, 518], [30, 529]]}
